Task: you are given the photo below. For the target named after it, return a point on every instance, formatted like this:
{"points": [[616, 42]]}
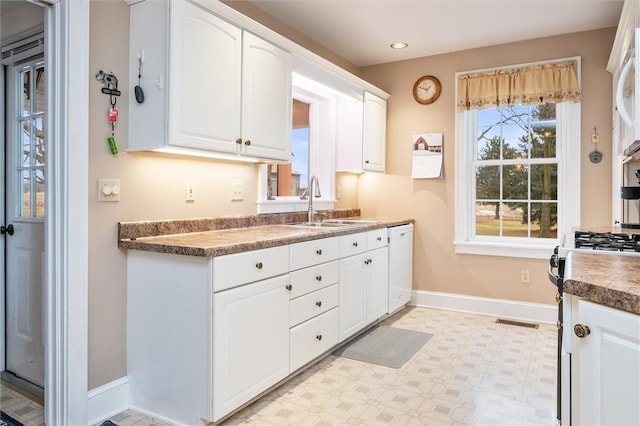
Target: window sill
{"points": [[289, 205], [489, 248]]}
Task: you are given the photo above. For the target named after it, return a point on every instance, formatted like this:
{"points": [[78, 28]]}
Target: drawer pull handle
{"points": [[289, 287], [318, 277], [319, 336], [259, 265], [581, 330], [379, 238], [355, 244], [319, 303], [319, 252]]}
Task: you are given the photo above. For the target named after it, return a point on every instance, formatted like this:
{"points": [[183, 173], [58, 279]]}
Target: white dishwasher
{"points": [[400, 265]]}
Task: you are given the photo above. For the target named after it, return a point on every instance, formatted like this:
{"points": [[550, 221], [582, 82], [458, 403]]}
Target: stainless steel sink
{"points": [[349, 221], [324, 224]]}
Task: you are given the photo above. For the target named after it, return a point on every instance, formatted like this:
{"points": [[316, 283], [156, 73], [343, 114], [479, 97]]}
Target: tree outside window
{"points": [[516, 172]]}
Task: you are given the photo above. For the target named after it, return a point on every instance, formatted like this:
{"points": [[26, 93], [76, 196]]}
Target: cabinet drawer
{"points": [[242, 268], [376, 238], [313, 304], [313, 252], [313, 278], [312, 338], [353, 244]]}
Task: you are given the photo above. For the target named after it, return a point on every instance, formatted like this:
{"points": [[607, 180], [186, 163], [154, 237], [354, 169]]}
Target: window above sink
{"points": [[313, 152]]}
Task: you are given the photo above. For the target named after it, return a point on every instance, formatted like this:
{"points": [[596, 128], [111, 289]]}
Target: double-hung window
{"points": [[517, 159]]}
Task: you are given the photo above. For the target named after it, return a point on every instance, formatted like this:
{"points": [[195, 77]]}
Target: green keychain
{"points": [[112, 145]]}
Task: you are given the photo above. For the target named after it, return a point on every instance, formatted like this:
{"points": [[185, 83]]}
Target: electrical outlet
{"points": [[190, 193], [524, 276], [237, 191]]}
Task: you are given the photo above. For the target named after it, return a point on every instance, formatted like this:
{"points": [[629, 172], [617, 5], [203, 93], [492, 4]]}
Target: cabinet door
{"points": [[205, 77], [348, 134], [251, 341], [375, 132], [606, 367], [352, 295], [377, 284], [266, 100]]}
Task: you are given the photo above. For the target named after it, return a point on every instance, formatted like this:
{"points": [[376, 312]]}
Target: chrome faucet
{"points": [[314, 186]]}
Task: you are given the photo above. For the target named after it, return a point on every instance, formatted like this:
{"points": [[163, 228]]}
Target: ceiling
{"points": [[361, 31]]}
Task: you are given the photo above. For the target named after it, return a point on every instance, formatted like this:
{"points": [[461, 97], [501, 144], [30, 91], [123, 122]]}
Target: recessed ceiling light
{"points": [[399, 45]]}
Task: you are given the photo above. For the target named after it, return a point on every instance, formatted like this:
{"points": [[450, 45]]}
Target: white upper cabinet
{"points": [[218, 88], [374, 132], [266, 99], [205, 69], [361, 133]]}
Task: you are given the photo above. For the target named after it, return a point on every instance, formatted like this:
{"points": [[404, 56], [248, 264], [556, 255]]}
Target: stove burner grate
{"points": [[607, 241]]}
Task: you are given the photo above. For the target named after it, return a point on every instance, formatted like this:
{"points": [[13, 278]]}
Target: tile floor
{"points": [[472, 372], [19, 407]]}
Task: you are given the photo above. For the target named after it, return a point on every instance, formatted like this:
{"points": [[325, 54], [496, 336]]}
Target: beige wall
{"points": [[153, 186], [431, 201]]}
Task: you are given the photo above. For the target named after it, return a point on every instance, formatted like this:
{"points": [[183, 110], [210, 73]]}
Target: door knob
{"points": [[6, 230], [581, 330]]}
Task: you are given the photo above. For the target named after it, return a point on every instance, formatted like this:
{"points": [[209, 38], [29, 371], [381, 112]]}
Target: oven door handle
{"points": [[553, 263]]}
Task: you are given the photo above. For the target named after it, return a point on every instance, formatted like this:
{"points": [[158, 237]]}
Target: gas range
{"points": [[600, 240], [605, 241]]}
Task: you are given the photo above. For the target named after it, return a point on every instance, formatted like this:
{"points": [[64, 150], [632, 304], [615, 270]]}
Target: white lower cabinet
{"points": [[207, 335], [251, 341], [313, 338], [364, 284], [605, 365]]}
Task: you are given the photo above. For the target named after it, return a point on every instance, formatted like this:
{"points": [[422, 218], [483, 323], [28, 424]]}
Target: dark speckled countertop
{"points": [[611, 279], [217, 242]]}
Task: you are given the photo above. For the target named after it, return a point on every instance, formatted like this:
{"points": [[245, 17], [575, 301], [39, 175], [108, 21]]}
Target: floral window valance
{"points": [[532, 85]]}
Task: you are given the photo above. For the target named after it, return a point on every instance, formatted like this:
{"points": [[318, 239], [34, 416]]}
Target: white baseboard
{"points": [[535, 312], [108, 400]]}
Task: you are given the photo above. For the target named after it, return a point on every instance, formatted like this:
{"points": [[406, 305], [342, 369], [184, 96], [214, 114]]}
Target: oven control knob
{"points": [[581, 330], [558, 298]]}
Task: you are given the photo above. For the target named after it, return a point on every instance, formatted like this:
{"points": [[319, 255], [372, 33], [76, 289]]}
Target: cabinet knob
{"points": [[370, 260], [289, 287], [558, 325], [558, 298], [319, 303], [239, 141], [247, 142], [319, 336], [259, 265], [355, 244], [319, 252], [318, 277], [581, 330], [366, 161], [379, 238]]}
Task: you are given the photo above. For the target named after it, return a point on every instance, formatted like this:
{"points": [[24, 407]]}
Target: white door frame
{"points": [[66, 222]]}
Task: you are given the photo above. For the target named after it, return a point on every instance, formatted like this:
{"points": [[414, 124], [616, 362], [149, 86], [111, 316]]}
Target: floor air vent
{"points": [[518, 323]]}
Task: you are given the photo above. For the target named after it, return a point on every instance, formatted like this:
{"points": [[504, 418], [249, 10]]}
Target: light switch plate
{"points": [[190, 192], [108, 190]]}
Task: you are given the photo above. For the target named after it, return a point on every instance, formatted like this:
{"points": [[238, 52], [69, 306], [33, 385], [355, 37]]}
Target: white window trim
{"points": [[321, 151], [568, 152]]}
